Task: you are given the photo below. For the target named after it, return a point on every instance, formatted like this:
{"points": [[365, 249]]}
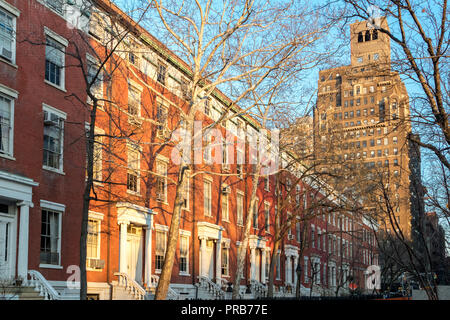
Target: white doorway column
{"points": [[252, 263], [203, 271], [218, 261], [263, 266], [22, 256], [295, 269], [219, 258], [148, 255], [123, 265], [288, 272]]}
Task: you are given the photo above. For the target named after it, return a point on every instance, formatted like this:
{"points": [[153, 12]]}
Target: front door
{"points": [[134, 252], [7, 256], [209, 259], [258, 265]]}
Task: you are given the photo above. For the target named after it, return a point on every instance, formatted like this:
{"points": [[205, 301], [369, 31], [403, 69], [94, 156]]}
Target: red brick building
{"points": [[41, 154]]}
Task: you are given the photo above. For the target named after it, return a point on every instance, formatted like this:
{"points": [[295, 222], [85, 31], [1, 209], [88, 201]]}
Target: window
{"points": [[56, 5], [97, 160], [161, 76], [134, 101], [267, 266], [184, 254], [94, 79], [207, 107], [225, 215], [297, 195], [54, 62], [267, 216], [360, 37], [225, 162], [161, 118], [267, 183], [207, 151], [376, 56], [8, 34], [93, 240], [6, 125], [360, 59], [395, 151], [306, 280], [133, 165], [318, 238], [240, 209], [240, 161], [207, 197], [278, 268], [161, 181], [255, 214], [50, 237], [225, 261], [53, 138], [298, 234], [133, 58], [374, 35], [394, 140], [160, 249], [313, 242], [185, 205]]}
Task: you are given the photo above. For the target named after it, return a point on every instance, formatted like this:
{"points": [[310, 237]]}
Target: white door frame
{"points": [[11, 220], [133, 239]]}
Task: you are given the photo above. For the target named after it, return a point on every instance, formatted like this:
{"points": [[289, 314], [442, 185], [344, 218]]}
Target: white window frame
{"points": [[186, 189], [255, 210], [164, 230], [98, 151], [11, 95], [92, 61], [224, 246], [133, 86], [267, 217], [64, 43], [207, 210], [278, 268], [98, 217], [240, 208], [186, 235], [60, 209], [225, 214], [61, 14], [63, 115], [162, 163], [137, 149], [14, 13]]}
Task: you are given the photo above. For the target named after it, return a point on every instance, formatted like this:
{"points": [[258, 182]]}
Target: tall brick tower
{"points": [[363, 113]]}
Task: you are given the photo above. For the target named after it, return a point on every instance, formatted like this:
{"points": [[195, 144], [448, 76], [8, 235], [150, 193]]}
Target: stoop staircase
{"points": [[13, 292], [208, 290]]}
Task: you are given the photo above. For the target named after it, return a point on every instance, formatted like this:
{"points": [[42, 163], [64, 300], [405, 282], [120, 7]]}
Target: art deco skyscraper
{"points": [[362, 114]]}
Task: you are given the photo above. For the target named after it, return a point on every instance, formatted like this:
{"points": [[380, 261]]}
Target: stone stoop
{"points": [[19, 293], [121, 293]]}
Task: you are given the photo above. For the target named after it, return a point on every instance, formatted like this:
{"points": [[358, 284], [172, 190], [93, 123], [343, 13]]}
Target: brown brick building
{"points": [[362, 122]]}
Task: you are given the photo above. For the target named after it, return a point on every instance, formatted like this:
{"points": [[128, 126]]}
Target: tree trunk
{"points": [[241, 256], [166, 272], [273, 265]]}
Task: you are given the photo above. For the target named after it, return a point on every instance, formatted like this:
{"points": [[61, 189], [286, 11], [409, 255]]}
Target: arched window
{"points": [[374, 34], [360, 37], [367, 36]]}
